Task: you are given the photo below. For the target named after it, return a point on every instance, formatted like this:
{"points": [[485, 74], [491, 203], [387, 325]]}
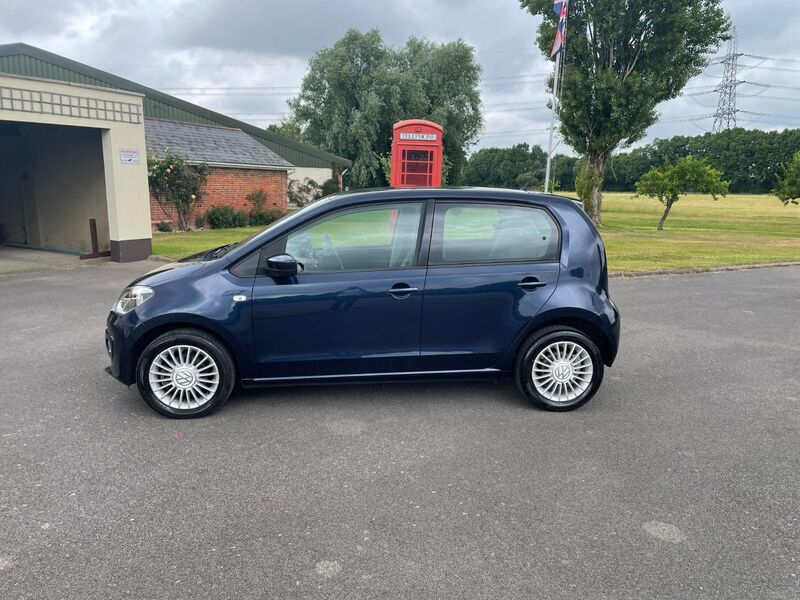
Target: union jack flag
{"points": [[560, 8]]}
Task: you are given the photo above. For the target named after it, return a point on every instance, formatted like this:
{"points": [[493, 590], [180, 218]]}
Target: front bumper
{"points": [[117, 350]]}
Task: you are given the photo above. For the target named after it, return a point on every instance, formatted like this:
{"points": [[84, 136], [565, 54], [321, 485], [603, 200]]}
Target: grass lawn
{"points": [[699, 232]]}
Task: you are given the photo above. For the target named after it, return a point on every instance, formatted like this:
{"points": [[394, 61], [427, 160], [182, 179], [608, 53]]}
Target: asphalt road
{"points": [[681, 479]]}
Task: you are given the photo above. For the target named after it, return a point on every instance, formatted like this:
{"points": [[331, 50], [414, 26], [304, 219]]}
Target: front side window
{"points": [[476, 233], [365, 238]]}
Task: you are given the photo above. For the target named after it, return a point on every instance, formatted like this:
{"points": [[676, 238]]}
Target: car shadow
{"points": [[362, 395]]}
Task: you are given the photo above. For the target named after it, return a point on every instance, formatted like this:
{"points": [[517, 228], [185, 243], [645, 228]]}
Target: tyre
{"points": [[185, 373], [559, 368]]}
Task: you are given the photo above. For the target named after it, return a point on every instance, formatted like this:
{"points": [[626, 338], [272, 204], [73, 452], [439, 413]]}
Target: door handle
{"points": [[402, 290], [530, 284]]}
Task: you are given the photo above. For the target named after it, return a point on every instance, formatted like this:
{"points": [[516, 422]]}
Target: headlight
{"points": [[132, 297]]}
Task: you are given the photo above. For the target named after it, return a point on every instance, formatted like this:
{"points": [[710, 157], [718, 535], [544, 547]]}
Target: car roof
{"points": [[455, 193]]}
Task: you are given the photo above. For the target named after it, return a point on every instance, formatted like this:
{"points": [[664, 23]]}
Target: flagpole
{"points": [[562, 32], [553, 103]]}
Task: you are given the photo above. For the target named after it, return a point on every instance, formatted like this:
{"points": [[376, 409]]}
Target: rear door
{"points": [[492, 266]]}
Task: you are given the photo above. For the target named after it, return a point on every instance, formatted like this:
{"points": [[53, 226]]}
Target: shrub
{"points": [[331, 186], [264, 217], [200, 221], [241, 218], [176, 184], [257, 199], [164, 227], [303, 193], [220, 217]]}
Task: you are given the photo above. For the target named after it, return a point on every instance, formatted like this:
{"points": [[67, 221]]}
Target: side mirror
{"points": [[282, 265]]}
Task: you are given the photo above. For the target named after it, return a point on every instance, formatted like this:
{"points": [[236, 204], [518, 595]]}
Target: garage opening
{"points": [[52, 186]]}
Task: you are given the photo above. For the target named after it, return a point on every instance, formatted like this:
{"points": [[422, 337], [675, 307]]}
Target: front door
{"points": [[356, 305], [492, 268]]}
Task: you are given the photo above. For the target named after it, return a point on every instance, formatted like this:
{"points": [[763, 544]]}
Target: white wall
{"points": [[126, 196], [315, 174]]}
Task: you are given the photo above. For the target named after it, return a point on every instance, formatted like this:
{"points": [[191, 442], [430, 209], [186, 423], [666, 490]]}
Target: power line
{"points": [[770, 85], [516, 132], [760, 66], [789, 98], [761, 114], [756, 56]]}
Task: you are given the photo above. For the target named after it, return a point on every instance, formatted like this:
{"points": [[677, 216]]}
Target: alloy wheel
{"points": [[184, 377], [562, 371]]}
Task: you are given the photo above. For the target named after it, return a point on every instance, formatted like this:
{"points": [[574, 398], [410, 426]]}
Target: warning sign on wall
{"points": [[129, 156]]}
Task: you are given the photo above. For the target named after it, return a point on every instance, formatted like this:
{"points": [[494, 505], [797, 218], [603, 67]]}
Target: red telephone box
{"points": [[417, 154]]}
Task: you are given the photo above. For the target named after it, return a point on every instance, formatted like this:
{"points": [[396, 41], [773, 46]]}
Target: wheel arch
{"points": [[580, 320], [157, 330]]}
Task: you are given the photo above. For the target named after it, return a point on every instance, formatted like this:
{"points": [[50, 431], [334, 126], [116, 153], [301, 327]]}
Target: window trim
{"points": [[423, 203], [436, 241]]}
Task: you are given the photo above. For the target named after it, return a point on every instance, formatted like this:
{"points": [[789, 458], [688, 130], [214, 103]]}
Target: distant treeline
{"points": [[518, 167], [750, 159]]}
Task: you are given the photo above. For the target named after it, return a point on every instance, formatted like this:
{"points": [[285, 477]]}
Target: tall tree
{"points": [[358, 88], [623, 57], [689, 174]]}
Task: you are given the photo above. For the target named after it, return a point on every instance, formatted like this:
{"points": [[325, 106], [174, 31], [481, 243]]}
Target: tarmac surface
{"points": [[680, 479]]}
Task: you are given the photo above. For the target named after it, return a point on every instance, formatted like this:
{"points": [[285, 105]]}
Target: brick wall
{"points": [[230, 187]]}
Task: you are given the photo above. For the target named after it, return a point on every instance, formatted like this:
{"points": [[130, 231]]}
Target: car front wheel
{"points": [[185, 373], [559, 368]]}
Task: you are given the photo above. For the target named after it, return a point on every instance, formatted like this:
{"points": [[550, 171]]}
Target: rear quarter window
{"points": [[467, 233]]}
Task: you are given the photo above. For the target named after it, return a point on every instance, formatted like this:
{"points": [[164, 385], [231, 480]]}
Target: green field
{"points": [[700, 233]]}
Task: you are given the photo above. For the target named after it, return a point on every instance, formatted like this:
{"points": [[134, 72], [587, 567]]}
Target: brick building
{"points": [[238, 165]]}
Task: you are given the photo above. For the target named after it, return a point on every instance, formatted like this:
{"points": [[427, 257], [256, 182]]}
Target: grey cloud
{"points": [[168, 46], [296, 27], [21, 18]]}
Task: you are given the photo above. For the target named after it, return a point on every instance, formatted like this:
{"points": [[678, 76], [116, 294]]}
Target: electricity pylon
{"points": [[725, 117]]}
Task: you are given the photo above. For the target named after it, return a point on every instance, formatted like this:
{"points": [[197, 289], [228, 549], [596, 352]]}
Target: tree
{"points": [[750, 160], [305, 192], [687, 175], [176, 183], [358, 88], [788, 188], [288, 129], [503, 167], [564, 171], [623, 57]]}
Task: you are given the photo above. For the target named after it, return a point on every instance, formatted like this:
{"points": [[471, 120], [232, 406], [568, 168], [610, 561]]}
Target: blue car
{"points": [[379, 285]]}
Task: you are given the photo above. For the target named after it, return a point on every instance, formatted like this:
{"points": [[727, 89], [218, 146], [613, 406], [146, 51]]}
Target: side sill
{"points": [[366, 377]]}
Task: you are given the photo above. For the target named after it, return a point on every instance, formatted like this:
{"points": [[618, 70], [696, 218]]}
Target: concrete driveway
{"points": [[15, 260], [681, 479]]}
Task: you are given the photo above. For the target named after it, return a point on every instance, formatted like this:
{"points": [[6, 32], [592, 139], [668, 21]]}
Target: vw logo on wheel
{"points": [[184, 378], [562, 371]]}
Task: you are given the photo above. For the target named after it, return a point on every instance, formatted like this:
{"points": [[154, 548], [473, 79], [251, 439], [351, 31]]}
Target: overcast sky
{"points": [[246, 58]]}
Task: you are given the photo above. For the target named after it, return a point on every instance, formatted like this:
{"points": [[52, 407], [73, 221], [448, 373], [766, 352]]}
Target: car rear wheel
{"points": [[185, 373], [559, 368]]}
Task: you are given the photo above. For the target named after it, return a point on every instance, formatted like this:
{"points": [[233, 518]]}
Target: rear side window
{"points": [[479, 233]]}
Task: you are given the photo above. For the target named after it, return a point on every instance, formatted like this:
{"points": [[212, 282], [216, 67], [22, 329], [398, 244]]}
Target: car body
{"points": [[389, 284]]}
